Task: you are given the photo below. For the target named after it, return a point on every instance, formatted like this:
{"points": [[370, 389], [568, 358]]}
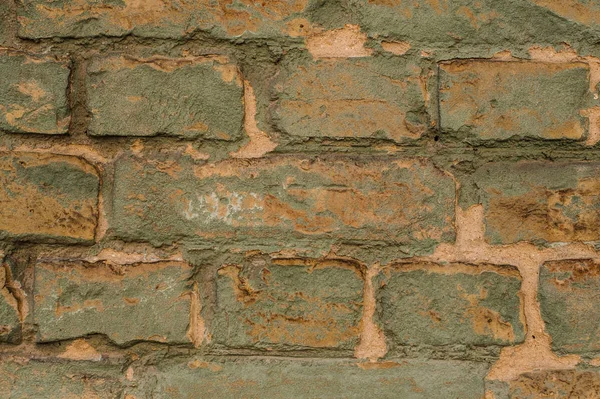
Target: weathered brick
{"points": [[568, 296], [374, 97], [190, 97], [463, 23], [47, 197], [153, 18], [580, 11], [540, 201], [499, 100], [24, 379], [276, 378], [10, 323], [146, 301], [288, 304], [580, 383], [432, 304], [33, 94], [407, 202]]}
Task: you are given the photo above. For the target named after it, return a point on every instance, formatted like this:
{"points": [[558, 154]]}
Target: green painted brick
{"points": [[52, 379], [152, 18], [371, 97], [465, 23], [289, 304], [33, 94], [442, 305], [278, 378], [284, 199], [10, 323], [188, 97], [579, 383], [499, 100], [140, 302], [48, 197], [539, 201], [568, 301]]}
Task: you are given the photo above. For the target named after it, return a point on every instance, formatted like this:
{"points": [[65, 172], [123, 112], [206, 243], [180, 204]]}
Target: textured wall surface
{"points": [[299, 199]]}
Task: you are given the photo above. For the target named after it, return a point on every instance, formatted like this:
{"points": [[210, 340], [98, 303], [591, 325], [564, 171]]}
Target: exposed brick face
{"points": [[33, 92], [299, 199], [499, 100]]}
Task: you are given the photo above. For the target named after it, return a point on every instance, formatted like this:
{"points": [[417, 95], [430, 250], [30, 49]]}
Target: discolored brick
{"points": [[578, 383], [499, 100], [381, 98], [285, 378], [10, 323], [20, 378], [568, 300], [405, 202], [288, 304], [138, 302], [155, 18], [540, 201], [33, 94], [47, 197], [464, 24], [437, 305], [189, 97]]}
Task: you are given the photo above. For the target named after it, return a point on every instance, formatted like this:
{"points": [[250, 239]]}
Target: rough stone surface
{"points": [[190, 97], [10, 323], [374, 97], [289, 198], [437, 305], [33, 93], [23, 379], [47, 197], [152, 18], [569, 302], [148, 301], [271, 378], [466, 23], [499, 100], [539, 201], [288, 304], [580, 383]]}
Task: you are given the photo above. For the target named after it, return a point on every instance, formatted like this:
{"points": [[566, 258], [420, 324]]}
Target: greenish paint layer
{"points": [[10, 324], [499, 100], [433, 305], [47, 197], [31, 379], [485, 22], [284, 200], [142, 302], [276, 378], [288, 305], [579, 383], [539, 201], [372, 97], [568, 296], [33, 94], [152, 18], [189, 97]]}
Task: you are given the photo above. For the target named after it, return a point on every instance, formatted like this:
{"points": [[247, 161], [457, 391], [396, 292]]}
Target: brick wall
{"points": [[299, 199]]}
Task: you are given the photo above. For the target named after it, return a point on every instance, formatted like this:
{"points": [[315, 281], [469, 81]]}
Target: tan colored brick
{"points": [[499, 100], [47, 197], [539, 201], [295, 304]]}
